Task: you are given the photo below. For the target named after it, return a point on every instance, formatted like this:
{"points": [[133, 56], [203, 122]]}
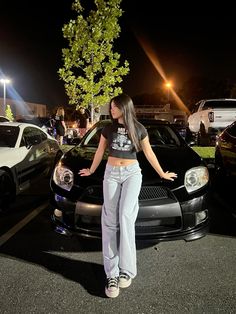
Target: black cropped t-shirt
{"points": [[119, 143]]}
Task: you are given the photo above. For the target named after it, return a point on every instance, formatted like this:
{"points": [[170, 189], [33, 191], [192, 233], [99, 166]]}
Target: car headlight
{"points": [[63, 177], [195, 178]]}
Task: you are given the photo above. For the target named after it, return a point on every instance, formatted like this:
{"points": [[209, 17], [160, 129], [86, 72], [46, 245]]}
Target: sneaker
{"points": [[124, 280], [112, 287]]}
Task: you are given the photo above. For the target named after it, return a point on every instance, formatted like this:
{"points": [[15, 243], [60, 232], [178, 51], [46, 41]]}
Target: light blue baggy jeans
{"points": [[121, 188]]}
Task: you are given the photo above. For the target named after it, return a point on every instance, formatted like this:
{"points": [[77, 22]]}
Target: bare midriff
{"points": [[114, 161]]}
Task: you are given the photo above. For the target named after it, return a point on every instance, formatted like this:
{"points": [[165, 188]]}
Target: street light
{"points": [[168, 85], [4, 82]]}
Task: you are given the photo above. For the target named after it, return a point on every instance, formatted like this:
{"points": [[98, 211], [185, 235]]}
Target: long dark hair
{"points": [[125, 104]]}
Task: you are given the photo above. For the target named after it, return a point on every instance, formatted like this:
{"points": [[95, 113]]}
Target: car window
{"points": [[8, 135], [32, 136], [195, 108], [92, 139]]}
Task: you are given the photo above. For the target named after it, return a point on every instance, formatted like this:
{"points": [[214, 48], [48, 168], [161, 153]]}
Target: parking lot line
{"points": [[10, 233]]}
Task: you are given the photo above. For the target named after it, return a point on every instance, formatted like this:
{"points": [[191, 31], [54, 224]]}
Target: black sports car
{"points": [[168, 209]]}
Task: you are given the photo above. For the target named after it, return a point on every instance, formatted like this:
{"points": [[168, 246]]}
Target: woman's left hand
{"points": [[169, 176]]}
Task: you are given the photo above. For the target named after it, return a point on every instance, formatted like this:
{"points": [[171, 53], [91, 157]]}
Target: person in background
{"points": [[96, 115], [60, 125], [124, 137], [83, 121]]}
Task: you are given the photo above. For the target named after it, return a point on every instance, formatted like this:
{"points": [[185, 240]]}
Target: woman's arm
{"points": [[151, 157], [97, 158]]}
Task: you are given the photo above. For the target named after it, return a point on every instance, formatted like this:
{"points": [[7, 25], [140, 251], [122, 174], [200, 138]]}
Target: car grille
{"points": [[152, 193], [147, 193]]}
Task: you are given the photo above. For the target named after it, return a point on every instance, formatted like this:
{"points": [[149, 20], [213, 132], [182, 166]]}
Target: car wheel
{"points": [[7, 190]]}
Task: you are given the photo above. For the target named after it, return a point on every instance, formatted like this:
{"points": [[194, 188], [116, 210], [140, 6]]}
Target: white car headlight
{"points": [[195, 178], [63, 177]]}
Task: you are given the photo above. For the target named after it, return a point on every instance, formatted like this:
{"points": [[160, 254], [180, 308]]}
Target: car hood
{"points": [[172, 159]]}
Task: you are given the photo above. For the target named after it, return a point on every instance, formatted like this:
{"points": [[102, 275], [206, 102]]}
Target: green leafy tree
{"points": [[92, 71], [8, 113]]}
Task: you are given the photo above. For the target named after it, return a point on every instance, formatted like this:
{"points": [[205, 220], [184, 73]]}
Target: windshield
{"points": [[162, 135], [8, 135], [158, 135]]}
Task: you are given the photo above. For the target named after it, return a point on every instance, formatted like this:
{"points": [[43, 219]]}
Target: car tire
{"points": [[7, 190]]}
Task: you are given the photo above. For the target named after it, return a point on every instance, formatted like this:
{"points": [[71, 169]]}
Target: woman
{"points": [[60, 125], [121, 188]]}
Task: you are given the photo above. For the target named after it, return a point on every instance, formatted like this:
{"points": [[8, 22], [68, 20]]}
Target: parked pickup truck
{"points": [[209, 117]]}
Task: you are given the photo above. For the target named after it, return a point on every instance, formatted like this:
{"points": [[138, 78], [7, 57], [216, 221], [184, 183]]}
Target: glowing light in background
{"points": [[156, 63], [168, 86], [4, 81], [22, 107]]}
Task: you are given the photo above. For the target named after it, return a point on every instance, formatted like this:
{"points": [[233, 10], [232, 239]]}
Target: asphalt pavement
{"points": [[43, 272]]}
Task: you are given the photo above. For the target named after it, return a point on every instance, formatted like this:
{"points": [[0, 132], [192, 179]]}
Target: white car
{"points": [[210, 116], [27, 153]]}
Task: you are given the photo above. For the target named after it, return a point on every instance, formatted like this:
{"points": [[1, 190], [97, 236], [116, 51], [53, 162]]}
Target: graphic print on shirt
{"points": [[121, 141]]}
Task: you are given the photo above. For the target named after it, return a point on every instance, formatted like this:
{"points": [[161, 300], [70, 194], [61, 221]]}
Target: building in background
{"points": [[166, 112], [22, 108]]}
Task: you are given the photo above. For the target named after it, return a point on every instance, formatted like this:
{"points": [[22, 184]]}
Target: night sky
{"points": [[187, 42]]}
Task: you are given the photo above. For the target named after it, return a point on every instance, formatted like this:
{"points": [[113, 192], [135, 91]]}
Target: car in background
{"points": [[168, 209], [27, 153], [4, 119], [209, 117], [225, 152], [45, 123]]}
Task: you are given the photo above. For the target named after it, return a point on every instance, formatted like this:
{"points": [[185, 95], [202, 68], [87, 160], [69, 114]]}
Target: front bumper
{"points": [[166, 219]]}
